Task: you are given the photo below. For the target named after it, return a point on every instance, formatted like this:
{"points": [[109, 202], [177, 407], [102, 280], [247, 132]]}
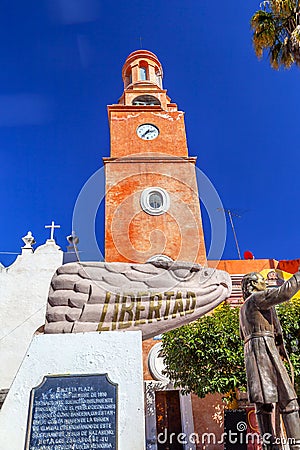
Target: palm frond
{"points": [[275, 55], [295, 44], [276, 27], [282, 8], [286, 57], [264, 31]]}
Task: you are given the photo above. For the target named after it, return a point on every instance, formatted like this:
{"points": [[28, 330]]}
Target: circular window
{"points": [[155, 201], [156, 363], [156, 258]]}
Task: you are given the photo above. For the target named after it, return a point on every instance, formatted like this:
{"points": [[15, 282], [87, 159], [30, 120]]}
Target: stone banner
{"points": [[152, 297]]}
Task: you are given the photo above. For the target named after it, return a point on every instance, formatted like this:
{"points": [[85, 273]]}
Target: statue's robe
{"points": [[267, 377]]}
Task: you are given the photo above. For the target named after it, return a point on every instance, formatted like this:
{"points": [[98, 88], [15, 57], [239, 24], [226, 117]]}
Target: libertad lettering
{"points": [[131, 309]]}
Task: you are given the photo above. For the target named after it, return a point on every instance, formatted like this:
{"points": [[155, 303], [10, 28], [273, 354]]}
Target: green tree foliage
{"points": [[207, 356], [276, 27], [289, 316]]}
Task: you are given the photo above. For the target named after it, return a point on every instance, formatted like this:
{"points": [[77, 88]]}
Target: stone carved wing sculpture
{"points": [[153, 297]]}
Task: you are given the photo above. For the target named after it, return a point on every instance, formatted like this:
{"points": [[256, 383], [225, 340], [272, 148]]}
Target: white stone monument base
{"points": [[119, 354]]}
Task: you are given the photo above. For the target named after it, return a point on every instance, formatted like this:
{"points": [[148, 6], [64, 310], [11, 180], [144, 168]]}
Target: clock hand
{"points": [[148, 131]]}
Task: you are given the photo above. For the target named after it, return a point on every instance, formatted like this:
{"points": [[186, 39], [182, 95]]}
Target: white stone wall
{"points": [[24, 290], [119, 354]]}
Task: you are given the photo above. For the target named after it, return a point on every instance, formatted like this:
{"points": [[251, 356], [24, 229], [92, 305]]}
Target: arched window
{"points": [[143, 73], [146, 100], [128, 78], [158, 78]]}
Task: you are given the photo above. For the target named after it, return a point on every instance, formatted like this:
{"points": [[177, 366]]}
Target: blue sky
{"points": [[61, 64]]}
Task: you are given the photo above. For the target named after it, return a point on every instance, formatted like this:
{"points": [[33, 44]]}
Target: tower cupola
{"points": [[143, 67], [142, 76]]}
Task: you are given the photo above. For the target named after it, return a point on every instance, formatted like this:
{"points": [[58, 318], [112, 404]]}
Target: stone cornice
{"points": [[151, 159]]}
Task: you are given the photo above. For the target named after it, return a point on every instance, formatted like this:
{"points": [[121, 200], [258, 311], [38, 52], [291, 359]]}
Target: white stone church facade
{"points": [[24, 287]]}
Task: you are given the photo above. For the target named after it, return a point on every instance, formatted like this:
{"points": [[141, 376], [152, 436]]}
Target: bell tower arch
{"points": [[152, 205]]}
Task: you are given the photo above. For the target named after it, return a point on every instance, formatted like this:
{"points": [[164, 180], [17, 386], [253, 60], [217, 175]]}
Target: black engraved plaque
{"points": [[73, 412]]}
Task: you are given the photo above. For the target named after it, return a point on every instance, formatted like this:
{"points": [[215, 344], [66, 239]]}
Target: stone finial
{"points": [[28, 241], [73, 239], [71, 255]]}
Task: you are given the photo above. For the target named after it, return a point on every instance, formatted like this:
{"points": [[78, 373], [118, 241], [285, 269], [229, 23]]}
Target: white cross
{"points": [[52, 226]]}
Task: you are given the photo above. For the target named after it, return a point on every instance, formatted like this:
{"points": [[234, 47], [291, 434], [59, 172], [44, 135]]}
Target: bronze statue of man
{"points": [[267, 379]]}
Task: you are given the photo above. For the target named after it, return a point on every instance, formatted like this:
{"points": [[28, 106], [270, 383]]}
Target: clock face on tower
{"points": [[147, 131]]}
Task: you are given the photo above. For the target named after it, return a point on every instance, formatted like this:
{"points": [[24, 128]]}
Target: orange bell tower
{"points": [[152, 206]]}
